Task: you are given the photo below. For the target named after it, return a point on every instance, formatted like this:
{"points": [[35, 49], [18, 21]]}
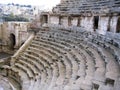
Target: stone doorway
{"points": [[12, 41], [45, 19], [69, 21], [60, 20], [79, 22], [96, 22], [118, 26], [108, 28]]}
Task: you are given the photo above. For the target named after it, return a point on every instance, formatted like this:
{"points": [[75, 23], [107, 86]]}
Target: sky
{"points": [[45, 3]]}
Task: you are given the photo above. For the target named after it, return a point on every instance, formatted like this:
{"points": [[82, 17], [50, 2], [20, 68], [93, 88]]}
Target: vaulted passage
{"points": [[12, 41], [118, 26], [96, 21]]}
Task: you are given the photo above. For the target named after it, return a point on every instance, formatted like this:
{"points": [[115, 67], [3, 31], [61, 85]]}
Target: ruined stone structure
{"points": [[71, 51], [13, 35], [94, 15], [60, 59]]}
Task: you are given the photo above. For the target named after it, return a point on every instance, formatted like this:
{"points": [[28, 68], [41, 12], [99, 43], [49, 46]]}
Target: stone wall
{"points": [[103, 25], [18, 30], [107, 11], [54, 20], [0, 30], [113, 24], [75, 21], [87, 23], [65, 21]]}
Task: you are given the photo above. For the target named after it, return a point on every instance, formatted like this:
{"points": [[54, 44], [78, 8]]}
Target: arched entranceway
{"points": [[118, 26], [12, 41], [96, 21]]}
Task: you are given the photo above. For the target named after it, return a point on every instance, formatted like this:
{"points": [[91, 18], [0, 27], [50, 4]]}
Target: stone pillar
{"points": [[87, 23], [113, 24], [75, 21], [54, 20], [65, 21], [103, 25], [17, 36]]}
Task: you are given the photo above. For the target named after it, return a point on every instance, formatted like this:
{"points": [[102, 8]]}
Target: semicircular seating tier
{"points": [[59, 59], [87, 6]]}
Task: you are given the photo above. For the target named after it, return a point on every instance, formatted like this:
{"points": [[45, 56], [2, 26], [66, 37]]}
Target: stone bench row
{"points": [[105, 41], [114, 50], [13, 75], [108, 58], [82, 6], [63, 58]]}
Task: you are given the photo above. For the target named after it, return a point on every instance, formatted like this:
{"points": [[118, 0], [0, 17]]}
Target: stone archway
{"points": [[118, 26], [12, 41]]}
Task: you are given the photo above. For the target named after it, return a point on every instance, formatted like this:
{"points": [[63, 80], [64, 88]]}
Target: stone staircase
{"points": [[66, 59], [87, 6]]}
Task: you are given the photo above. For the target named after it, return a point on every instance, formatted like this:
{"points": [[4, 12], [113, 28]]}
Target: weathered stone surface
{"points": [[13, 32], [88, 6], [77, 48], [96, 16], [67, 59]]}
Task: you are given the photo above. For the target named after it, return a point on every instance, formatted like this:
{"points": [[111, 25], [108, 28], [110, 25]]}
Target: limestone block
{"points": [[54, 20]]}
